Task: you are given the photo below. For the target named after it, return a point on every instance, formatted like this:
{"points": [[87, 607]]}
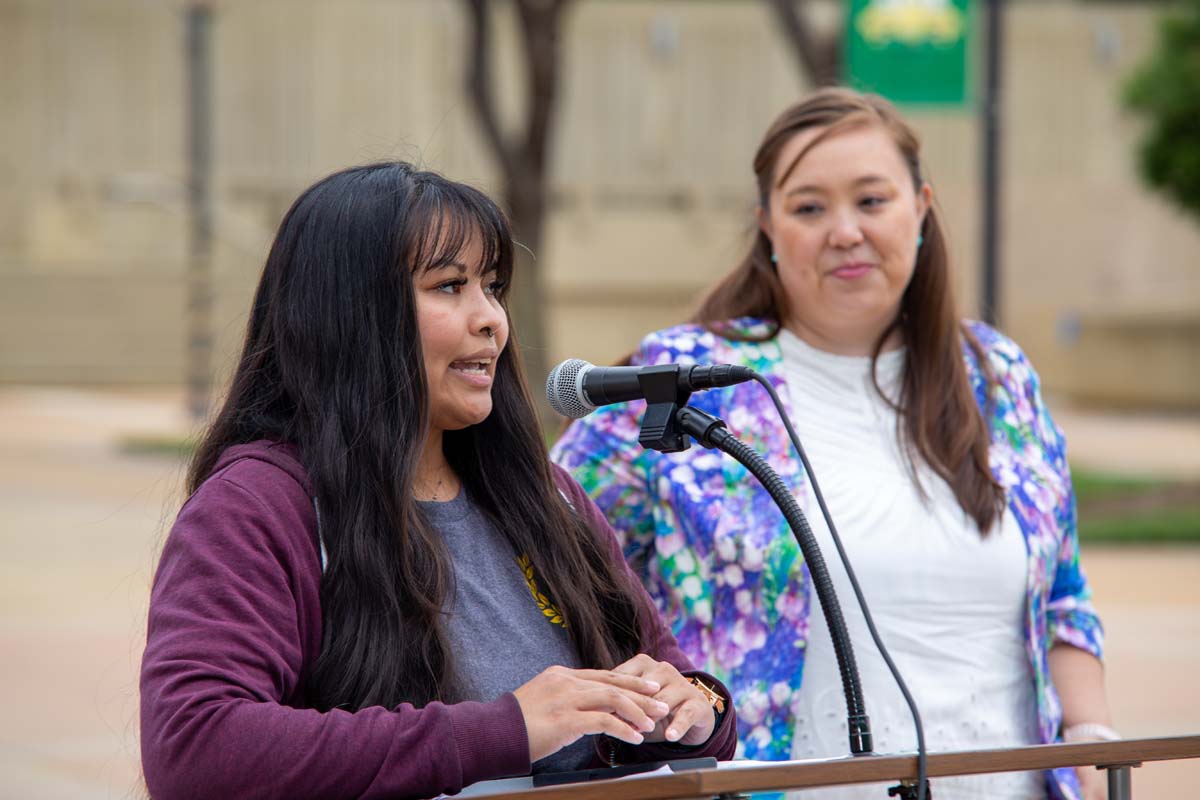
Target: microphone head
{"points": [[564, 389]]}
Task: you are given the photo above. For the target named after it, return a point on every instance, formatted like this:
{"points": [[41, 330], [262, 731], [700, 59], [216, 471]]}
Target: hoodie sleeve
{"points": [[234, 620]]}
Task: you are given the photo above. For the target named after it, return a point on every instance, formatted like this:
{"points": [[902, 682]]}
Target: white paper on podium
{"points": [[491, 787], [747, 764], [741, 764]]}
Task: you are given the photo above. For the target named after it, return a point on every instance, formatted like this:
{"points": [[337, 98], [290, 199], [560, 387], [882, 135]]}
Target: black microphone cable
{"points": [[922, 765]]}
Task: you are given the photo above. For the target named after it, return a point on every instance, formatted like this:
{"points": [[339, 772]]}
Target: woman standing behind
{"points": [[940, 464], [380, 586]]}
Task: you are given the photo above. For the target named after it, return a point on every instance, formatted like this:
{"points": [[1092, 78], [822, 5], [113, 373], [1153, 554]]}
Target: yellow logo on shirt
{"points": [[547, 608]]}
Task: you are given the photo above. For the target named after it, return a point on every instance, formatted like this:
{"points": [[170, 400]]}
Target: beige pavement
{"points": [[1155, 445], [81, 523]]}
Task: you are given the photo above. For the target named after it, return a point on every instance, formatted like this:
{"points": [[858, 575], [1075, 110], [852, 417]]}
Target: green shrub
{"points": [[1165, 90]]}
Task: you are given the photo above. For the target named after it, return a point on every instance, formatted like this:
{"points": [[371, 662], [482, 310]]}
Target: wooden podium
{"points": [[1118, 758]]}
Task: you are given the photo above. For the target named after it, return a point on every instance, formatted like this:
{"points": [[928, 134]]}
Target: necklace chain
{"points": [[436, 491]]}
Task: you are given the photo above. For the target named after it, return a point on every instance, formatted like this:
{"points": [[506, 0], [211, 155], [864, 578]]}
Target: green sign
{"points": [[909, 51]]}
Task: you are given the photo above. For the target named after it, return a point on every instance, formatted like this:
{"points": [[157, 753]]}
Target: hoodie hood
{"points": [[283, 455]]}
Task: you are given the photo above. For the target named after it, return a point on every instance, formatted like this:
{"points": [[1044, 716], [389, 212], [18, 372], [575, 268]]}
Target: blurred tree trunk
{"points": [[522, 158], [818, 55]]}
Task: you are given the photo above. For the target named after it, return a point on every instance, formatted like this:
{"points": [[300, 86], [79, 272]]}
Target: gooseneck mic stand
{"points": [[666, 426]]}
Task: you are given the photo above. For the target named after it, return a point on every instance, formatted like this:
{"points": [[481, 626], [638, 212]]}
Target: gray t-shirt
{"points": [[497, 631]]}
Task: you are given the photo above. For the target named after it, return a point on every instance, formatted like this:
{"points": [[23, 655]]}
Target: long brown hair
{"points": [[332, 363], [939, 416]]}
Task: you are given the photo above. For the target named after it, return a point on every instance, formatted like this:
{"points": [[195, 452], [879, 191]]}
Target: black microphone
{"points": [[576, 388]]}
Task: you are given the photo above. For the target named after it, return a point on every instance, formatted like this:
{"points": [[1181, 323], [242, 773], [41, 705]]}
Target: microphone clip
{"points": [[664, 397], [907, 790]]}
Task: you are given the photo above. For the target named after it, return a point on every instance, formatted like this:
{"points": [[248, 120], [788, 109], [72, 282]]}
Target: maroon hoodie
{"points": [[235, 624]]}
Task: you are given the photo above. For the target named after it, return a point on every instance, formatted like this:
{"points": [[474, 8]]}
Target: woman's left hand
{"points": [[691, 719]]}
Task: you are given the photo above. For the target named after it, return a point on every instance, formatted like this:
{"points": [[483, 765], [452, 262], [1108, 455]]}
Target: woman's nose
{"points": [[846, 231], [488, 318]]}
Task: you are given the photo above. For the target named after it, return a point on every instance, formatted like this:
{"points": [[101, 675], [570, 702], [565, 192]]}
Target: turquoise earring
{"points": [[920, 241], [774, 258]]}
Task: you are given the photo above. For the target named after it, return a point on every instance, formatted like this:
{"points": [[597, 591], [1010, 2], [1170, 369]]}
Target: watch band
{"points": [[710, 694]]}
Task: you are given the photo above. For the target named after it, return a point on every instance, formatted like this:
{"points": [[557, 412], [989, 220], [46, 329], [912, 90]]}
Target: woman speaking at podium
{"points": [[944, 473], [379, 585]]}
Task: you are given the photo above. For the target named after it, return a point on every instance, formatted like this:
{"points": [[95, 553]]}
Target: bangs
{"points": [[859, 119], [862, 117], [444, 220]]}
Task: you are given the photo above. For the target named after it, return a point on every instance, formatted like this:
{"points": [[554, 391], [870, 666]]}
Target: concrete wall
{"points": [[662, 106]]}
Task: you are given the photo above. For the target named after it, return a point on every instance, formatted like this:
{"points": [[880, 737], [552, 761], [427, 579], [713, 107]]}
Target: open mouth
{"points": [[472, 367]]}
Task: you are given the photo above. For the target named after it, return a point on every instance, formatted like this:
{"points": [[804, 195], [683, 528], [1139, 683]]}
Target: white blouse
{"points": [[948, 603]]}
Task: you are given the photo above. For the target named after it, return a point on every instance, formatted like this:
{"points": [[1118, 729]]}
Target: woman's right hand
{"points": [[561, 705]]}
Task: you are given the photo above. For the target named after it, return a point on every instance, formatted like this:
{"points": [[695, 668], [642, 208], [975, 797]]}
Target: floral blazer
{"points": [[685, 517]]}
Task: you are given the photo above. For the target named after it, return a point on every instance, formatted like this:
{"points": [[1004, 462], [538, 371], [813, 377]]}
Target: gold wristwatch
{"points": [[710, 694]]}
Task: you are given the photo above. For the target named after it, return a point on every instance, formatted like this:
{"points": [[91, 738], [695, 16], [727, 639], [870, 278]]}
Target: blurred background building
{"points": [[661, 105]]}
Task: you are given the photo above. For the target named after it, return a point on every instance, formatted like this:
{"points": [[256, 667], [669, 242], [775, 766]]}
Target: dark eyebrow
{"points": [[863, 181], [458, 266]]}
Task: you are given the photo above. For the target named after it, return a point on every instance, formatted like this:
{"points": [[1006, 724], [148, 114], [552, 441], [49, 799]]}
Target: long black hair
{"points": [[333, 364]]}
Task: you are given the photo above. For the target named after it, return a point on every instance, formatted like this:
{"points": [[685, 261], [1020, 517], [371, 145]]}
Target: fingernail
{"points": [[672, 734], [662, 706], [653, 686], [648, 725]]}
